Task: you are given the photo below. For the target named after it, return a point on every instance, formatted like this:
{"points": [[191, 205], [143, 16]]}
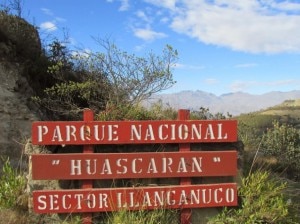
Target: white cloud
{"points": [[47, 11], [60, 19], [169, 4], [165, 20], [211, 81], [139, 47], [285, 5], [191, 67], [246, 85], [246, 65], [142, 15], [242, 25], [124, 5], [51, 26], [148, 34], [144, 21], [237, 86], [48, 26], [282, 82]]}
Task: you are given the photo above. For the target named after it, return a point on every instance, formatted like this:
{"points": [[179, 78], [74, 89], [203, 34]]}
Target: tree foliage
{"points": [[132, 78], [60, 61], [97, 80], [68, 99]]}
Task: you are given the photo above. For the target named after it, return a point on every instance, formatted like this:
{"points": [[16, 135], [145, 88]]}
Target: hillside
{"points": [[287, 108], [234, 103], [287, 112]]}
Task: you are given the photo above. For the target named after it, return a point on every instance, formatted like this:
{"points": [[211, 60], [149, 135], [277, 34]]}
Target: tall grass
{"points": [[262, 201], [12, 186], [157, 216]]}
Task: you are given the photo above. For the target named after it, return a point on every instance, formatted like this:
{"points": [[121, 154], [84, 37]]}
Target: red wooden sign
{"points": [[133, 132], [134, 165], [112, 199], [89, 166]]}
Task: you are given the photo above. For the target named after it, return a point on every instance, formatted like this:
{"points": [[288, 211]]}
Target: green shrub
{"points": [[12, 185], [249, 135], [119, 112], [283, 142], [136, 112], [68, 99], [262, 201]]}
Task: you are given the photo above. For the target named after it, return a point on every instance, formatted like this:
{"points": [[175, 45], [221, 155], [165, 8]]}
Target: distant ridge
{"points": [[233, 103]]}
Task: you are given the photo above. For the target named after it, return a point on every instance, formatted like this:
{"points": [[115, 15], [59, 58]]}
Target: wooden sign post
{"points": [[88, 115], [89, 166], [186, 214]]}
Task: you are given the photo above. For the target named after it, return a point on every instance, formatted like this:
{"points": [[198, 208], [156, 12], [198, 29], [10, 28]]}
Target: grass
{"points": [[157, 216], [12, 186], [262, 201]]}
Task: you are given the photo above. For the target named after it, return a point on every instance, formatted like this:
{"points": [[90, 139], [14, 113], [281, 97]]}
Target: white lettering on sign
{"points": [[56, 202], [69, 133], [133, 199], [112, 199], [42, 130], [124, 168], [172, 131], [135, 166], [136, 163]]}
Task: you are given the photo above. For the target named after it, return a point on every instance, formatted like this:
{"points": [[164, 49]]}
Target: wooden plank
{"points": [[112, 199], [134, 165], [133, 132], [186, 214]]}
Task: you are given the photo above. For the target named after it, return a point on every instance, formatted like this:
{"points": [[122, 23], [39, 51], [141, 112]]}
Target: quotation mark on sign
{"points": [[217, 159], [55, 162]]}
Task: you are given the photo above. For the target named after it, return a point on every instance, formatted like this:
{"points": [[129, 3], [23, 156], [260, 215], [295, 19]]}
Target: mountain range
{"points": [[234, 103]]}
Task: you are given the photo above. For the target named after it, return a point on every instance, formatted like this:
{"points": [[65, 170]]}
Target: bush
{"points": [[12, 186], [20, 37], [249, 135], [136, 112], [68, 99], [262, 201], [283, 142]]}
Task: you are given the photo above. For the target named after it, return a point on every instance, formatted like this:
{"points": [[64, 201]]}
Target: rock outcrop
{"points": [[15, 115], [20, 47]]}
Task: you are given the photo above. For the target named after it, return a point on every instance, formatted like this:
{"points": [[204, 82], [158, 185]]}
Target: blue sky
{"points": [[224, 45]]}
